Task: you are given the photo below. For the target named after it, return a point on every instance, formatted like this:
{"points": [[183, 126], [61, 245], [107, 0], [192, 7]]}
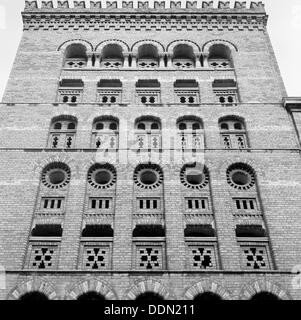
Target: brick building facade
{"points": [[149, 153]]}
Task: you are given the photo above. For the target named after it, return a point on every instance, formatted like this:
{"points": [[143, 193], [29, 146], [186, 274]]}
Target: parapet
{"points": [[144, 15], [196, 6]]}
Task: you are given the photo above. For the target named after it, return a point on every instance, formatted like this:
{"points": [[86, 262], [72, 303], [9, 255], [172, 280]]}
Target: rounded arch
{"points": [[64, 117], [263, 286], [85, 43], [150, 285], [232, 122], [105, 118], [207, 287], [206, 47], [195, 47], [140, 43], [124, 46], [232, 117], [190, 118], [99, 287], [33, 286], [148, 118]]}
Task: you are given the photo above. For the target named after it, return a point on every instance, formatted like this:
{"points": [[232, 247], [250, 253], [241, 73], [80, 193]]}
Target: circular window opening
{"points": [[241, 178], [102, 177], [148, 177], [57, 177], [194, 177]]}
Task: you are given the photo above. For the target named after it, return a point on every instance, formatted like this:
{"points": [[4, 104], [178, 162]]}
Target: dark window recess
{"points": [[265, 296], [47, 230], [185, 84], [71, 83], [91, 295], [109, 84], [148, 84], [197, 204], [34, 296], [149, 231], [100, 204], [223, 83], [98, 231], [250, 231], [209, 296], [199, 230], [149, 296]]}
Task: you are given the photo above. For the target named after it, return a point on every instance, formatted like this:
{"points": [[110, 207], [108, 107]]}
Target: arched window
{"points": [[62, 133], [105, 133], [207, 296], [233, 133], [112, 56], [148, 57], [91, 296], [220, 57], [183, 57], [265, 296], [190, 133], [149, 296], [33, 296], [76, 56], [148, 133]]}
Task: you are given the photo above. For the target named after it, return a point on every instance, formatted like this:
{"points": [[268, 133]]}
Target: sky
{"points": [[284, 28]]}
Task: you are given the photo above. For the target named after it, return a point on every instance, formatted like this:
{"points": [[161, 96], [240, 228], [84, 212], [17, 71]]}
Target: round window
{"points": [[102, 176], [56, 175], [148, 176], [240, 176], [193, 177]]}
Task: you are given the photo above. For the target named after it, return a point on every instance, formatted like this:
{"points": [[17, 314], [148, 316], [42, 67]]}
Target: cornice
{"points": [[192, 17]]}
